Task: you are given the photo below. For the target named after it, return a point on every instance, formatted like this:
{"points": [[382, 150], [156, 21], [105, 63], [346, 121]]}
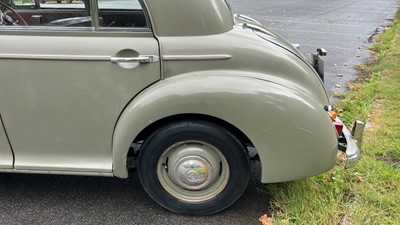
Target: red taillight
{"points": [[339, 128]]}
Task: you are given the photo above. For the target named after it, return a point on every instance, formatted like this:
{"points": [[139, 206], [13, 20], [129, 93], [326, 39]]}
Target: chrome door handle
{"points": [[139, 59]]}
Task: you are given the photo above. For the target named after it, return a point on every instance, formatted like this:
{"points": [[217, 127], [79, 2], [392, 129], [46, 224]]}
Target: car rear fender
{"points": [[293, 135]]}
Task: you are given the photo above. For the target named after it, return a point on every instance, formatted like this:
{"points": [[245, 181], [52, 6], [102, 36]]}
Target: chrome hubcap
{"points": [[193, 171]]}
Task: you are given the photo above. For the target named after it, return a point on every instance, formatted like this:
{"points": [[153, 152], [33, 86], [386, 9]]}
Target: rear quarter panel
{"points": [[292, 133]]}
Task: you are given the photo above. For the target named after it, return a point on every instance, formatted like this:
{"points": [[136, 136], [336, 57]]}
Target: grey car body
{"points": [[182, 87]]}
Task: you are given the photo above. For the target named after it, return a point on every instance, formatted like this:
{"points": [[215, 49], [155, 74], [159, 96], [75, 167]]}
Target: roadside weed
{"points": [[369, 193]]}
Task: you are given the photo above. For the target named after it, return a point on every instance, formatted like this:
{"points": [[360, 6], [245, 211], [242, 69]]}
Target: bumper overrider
{"points": [[351, 142], [318, 63]]}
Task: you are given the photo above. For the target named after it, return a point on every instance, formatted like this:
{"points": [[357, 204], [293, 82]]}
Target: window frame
{"points": [[92, 9], [97, 27]]}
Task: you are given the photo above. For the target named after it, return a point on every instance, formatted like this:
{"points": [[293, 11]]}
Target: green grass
{"points": [[369, 193]]}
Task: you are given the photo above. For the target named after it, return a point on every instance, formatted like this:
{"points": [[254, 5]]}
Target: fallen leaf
{"points": [[337, 94], [265, 220], [339, 110]]}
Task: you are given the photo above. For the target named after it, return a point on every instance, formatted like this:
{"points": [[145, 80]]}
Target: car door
{"points": [[67, 75]]}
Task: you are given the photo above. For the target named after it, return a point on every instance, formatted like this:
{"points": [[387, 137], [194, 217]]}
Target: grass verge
{"points": [[369, 193]]}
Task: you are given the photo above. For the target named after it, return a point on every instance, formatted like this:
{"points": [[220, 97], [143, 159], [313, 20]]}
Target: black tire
{"points": [[187, 154]]}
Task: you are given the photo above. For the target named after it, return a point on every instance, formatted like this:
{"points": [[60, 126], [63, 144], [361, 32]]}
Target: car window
{"points": [[49, 3], [121, 14], [64, 13], [113, 14]]}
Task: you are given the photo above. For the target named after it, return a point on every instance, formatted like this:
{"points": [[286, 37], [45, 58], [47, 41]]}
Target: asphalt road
{"points": [[343, 27], [49, 199]]}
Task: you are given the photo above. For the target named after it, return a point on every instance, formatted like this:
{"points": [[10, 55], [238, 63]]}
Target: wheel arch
{"points": [[193, 116], [170, 100], [147, 131]]}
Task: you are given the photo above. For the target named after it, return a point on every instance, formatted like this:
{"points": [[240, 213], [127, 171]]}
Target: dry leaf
{"points": [[339, 109], [265, 220], [337, 94]]}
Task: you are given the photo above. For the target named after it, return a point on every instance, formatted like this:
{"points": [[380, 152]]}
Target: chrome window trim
{"points": [[46, 28]]}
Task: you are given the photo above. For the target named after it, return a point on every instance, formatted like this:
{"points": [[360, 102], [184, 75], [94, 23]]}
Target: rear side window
{"points": [[121, 13]]}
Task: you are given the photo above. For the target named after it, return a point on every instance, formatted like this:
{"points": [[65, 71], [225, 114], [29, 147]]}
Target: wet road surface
{"points": [[49, 199], [342, 27]]}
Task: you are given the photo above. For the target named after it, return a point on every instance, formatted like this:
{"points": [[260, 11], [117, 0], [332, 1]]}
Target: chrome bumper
{"points": [[351, 143]]}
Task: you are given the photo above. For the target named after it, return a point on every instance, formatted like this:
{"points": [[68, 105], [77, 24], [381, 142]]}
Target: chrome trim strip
{"points": [[244, 17], [55, 57], [56, 172], [45, 29], [195, 57], [257, 28]]}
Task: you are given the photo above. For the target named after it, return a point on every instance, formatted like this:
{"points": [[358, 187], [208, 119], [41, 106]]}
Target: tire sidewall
{"points": [[215, 135]]}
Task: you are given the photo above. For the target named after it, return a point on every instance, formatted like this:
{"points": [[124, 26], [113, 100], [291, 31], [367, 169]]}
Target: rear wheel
{"points": [[195, 168]]}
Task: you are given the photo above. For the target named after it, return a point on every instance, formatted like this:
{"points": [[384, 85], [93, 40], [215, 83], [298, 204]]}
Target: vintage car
{"points": [[178, 89]]}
